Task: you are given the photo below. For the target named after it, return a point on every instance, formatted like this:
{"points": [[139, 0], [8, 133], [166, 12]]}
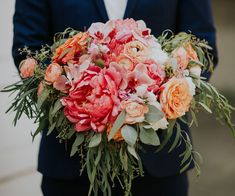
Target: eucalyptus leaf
{"points": [[132, 151], [167, 134], [71, 133], [57, 107], [205, 107], [77, 142], [98, 157], [95, 140], [117, 124], [42, 97], [129, 134], [52, 127], [177, 137], [149, 136], [185, 167], [42, 125], [194, 117], [153, 115]]}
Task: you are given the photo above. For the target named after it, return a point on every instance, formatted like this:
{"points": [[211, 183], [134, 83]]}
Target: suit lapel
{"points": [[131, 4], [101, 7]]}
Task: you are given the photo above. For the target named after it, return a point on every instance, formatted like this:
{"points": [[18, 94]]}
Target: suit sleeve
{"points": [[196, 16], [31, 26]]}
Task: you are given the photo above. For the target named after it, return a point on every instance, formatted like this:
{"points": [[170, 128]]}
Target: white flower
{"points": [[195, 70], [142, 92], [192, 86], [157, 54], [161, 124]]}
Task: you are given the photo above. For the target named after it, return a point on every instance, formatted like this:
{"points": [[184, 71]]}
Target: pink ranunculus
{"points": [[27, 67], [181, 56], [124, 30], [157, 73], [184, 54], [61, 84], [139, 76], [74, 72], [101, 31], [127, 29]]}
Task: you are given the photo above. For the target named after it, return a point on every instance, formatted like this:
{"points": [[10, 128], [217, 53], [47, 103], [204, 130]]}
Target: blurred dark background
{"points": [[18, 156], [213, 141]]}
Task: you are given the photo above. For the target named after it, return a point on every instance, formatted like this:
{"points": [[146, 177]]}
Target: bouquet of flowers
{"points": [[111, 88]]}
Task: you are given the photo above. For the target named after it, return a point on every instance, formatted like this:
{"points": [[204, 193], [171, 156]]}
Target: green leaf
{"points": [[153, 115], [71, 133], [183, 169], [168, 133], [42, 125], [57, 107], [98, 157], [177, 138], [78, 141], [194, 117], [60, 119], [132, 151], [205, 107], [186, 155], [117, 124], [43, 96], [27, 93], [95, 140], [129, 134], [123, 158], [52, 127], [149, 136]]}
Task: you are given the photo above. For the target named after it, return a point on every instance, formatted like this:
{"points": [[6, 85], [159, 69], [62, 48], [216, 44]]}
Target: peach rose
{"points": [[118, 136], [124, 61], [136, 51], [27, 67], [53, 72], [176, 97], [184, 54], [134, 111], [40, 88]]}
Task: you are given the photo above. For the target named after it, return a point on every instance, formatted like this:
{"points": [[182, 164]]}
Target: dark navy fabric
{"points": [[35, 23], [176, 185]]}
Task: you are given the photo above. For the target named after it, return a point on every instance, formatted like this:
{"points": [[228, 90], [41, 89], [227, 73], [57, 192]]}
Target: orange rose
{"points": [[53, 72], [177, 96], [184, 54], [134, 111], [27, 67], [118, 136], [70, 48]]}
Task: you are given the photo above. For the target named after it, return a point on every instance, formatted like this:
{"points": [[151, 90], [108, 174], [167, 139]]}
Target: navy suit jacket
{"points": [[35, 23]]}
